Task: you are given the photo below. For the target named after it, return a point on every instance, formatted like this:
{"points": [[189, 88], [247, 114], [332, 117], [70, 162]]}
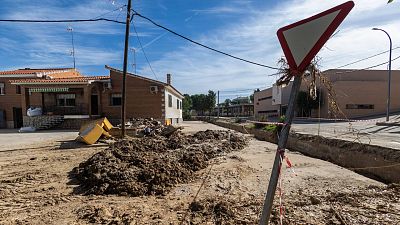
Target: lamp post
{"points": [[390, 73]]}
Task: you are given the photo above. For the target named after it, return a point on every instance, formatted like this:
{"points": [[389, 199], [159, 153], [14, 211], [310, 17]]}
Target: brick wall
{"points": [[11, 99], [140, 102]]}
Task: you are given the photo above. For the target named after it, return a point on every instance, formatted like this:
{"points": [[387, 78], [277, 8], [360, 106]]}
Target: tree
{"points": [[227, 103], [186, 106], [198, 102], [210, 101]]}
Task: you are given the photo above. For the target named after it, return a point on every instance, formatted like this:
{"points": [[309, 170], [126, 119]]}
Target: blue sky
{"points": [[241, 27]]}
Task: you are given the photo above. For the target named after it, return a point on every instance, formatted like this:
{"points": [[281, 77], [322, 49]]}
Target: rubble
{"points": [[153, 165], [147, 126]]}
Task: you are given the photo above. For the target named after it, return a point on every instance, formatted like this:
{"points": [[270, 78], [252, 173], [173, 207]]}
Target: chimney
{"points": [[168, 78]]}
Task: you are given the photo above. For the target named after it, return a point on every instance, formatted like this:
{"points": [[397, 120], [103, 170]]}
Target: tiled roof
{"points": [[82, 79], [34, 71], [145, 78]]}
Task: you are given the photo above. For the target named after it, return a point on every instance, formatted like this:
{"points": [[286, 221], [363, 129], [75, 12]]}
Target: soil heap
{"points": [[152, 165]]}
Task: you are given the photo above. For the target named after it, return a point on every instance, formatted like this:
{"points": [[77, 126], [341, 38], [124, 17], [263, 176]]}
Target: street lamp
{"points": [[390, 73]]}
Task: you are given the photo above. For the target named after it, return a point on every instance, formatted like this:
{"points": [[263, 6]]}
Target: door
{"points": [[17, 115], [94, 105]]}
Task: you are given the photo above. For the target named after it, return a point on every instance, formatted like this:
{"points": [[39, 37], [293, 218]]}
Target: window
{"points": [[2, 89], [177, 104], [18, 89], [66, 100], [265, 98], [116, 99], [169, 100], [180, 104], [360, 106]]}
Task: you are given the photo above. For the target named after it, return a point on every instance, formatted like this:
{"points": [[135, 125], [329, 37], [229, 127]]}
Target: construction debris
{"points": [[153, 165], [91, 132]]}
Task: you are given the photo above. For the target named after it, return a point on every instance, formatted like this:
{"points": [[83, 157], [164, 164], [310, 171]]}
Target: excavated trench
{"points": [[376, 162]]}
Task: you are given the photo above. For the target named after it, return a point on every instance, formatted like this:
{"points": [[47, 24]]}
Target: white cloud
{"points": [[254, 38]]}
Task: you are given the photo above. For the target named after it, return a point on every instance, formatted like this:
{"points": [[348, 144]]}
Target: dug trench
{"points": [[375, 162]]}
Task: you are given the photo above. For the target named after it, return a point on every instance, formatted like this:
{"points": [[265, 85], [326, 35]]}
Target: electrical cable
{"points": [[369, 57], [119, 8], [371, 67], [62, 21], [202, 45], [144, 53]]}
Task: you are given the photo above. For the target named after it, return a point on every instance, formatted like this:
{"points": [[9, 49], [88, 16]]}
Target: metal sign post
{"points": [[281, 151], [300, 42]]}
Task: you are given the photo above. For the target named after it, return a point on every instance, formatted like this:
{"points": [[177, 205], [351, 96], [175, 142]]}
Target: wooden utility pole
{"points": [[123, 107]]}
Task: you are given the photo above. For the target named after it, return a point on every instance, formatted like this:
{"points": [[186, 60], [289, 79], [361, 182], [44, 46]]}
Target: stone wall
{"points": [[73, 124], [37, 121]]}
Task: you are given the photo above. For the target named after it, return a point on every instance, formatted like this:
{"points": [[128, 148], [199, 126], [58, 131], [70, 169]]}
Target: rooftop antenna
{"points": [[134, 59], [70, 29]]}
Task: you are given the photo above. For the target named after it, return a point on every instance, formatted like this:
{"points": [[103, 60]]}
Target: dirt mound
{"points": [[372, 205], [153, 165], [224, 211]]}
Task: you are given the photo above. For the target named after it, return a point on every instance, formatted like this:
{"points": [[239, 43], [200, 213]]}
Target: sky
{"points": [[244, 28]]}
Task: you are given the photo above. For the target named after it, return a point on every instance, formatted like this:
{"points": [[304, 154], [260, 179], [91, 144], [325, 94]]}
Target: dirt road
{"points": [[35, 188]]}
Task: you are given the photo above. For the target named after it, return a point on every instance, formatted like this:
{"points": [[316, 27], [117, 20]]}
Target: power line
{"points": [[202, 45], [62, 21], [119, 8], [371, 67], [144, 53], [369, 57]]}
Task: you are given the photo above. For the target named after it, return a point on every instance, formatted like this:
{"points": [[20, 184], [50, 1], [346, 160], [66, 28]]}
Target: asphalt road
{"points": [[361, 131], [11, 140]]}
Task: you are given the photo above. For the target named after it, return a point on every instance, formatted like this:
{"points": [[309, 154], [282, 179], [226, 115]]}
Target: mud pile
{"points": [[153, 165]]}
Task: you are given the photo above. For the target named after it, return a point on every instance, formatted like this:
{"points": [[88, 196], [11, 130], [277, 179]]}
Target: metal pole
{"points": [[390, 74], [128, 21], [73, 45], [269, 198], [218, 105]]}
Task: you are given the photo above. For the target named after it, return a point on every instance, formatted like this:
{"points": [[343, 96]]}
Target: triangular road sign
{"points": [[302, 40]]}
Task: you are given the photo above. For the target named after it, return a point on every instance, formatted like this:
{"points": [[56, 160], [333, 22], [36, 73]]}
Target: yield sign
{"points": [[302, 40]]}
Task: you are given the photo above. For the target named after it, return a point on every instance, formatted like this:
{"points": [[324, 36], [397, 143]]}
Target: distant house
{"points": [[359, 93], [65, 96], [240, 106]]}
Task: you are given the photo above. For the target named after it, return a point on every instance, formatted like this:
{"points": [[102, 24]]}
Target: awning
{"points": [[49, 89]]}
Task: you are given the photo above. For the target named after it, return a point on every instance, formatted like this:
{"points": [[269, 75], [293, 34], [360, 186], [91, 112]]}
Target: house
{"points": [[66, 97], [145, 98], [240, 106], [359, 93]]}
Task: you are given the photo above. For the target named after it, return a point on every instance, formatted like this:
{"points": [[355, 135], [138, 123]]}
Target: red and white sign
{"points": [[302, 40]]}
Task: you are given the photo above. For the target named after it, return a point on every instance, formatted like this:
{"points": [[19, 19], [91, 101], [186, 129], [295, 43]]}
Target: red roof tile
{"points": [[34, 71], [82, 79]]}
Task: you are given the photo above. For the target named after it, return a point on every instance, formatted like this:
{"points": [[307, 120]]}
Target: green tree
{"points": [[187, 106], [227, 103], [211, 100], [199, 103]]}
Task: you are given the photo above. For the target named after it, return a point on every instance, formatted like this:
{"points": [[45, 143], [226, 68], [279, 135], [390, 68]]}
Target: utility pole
{"points": [[218, 105], [123, 107], [70, 29], [134, 59]]}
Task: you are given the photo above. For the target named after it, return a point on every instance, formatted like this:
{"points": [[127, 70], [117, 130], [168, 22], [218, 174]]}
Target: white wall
{"points": [[172, 112]]}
